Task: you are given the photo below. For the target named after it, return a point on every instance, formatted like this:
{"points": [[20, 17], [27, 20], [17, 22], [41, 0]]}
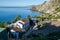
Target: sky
{"points": [[20, 2]]}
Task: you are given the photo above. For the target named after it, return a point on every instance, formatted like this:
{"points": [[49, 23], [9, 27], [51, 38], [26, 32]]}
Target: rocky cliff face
{"points": [[48, 7]]}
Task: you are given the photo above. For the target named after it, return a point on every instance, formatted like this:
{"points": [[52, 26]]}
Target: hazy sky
{"points": [[20, 2]]}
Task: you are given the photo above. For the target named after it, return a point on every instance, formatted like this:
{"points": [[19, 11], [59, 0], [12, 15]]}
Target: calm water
{"points": [[8, 14]]}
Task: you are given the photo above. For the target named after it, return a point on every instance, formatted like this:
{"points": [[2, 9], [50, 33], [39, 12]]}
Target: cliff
{"points": [[47, 7]]}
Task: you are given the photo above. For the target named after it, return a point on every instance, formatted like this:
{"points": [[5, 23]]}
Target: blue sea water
{"points": [[8, 14]]}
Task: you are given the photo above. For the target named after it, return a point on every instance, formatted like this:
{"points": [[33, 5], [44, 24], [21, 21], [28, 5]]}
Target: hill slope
{"points": [[47, 7]]}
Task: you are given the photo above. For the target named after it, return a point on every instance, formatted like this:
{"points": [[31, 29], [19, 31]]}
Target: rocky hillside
{"points": [[47, 7]]}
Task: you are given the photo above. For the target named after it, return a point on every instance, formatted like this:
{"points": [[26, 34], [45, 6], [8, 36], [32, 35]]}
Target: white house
{"points": [[20, 24]]}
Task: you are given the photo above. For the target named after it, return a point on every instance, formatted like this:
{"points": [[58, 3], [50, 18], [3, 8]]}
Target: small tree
{"points": [[28, 16], [3, 24], [16, 19]]}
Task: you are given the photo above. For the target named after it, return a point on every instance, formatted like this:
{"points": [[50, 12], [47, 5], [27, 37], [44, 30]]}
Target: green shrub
{"points": [[16, 19], [3, 24], [57, 9]]}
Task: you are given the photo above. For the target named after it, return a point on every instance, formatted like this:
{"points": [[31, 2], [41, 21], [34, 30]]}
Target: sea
{"points": [[7, 14]]}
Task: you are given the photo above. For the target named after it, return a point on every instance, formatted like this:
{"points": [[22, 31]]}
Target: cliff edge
{"points": [[47, 7]]}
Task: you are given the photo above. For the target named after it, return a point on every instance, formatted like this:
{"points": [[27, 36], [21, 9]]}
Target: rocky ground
{"points": [[48, 27], [47, 7]]}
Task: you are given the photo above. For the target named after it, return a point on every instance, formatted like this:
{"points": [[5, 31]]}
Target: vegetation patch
{"points": [[57, 9]]}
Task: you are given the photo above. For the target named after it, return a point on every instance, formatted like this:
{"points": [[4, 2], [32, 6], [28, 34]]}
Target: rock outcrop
{"points": [[47, 7]]}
